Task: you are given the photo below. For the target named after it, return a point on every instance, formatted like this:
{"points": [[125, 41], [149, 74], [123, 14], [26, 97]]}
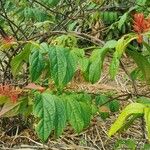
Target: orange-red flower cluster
{"points": [[140, 25], [10, 91]]}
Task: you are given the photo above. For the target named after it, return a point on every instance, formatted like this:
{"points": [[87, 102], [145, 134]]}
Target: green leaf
{"points": [[131, 109], [141, 2], [26, 107], [114, 106], [136, 74], [101, 100], [60, 117], [50, 109], [96, 64], [143, 100], [58, 65], [94, 109], [147, 46], [84, 63], [114, 66], [127, 143], [95, 67], [86, 112], [120, 49], [62, 64], [110, 44], [147, 120], [74, 113], [146, 147], [143, 64], [122, 20], [104, 115], [44, 108], [44, 48], [71, 66], [36, 65], [18, 61]]}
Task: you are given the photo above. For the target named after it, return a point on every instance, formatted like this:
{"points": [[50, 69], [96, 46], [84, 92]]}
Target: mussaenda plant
{"points": [[141, 106]]}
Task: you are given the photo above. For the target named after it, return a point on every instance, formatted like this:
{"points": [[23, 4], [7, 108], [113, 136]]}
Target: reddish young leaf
{"points": [[8, 40], [35, 87]]}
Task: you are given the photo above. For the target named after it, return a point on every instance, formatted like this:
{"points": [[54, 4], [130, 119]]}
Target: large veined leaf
{"points": [[95, 66], [114, 66], [147, 120], [114, 106], [44, 108], [131, 109], [18, 61], [78, 110], [71, 66], [51, 111], [58, 64], [86, 113], [60, 117], [62, 65], [74, 114], [142, 62], [36, 65]]}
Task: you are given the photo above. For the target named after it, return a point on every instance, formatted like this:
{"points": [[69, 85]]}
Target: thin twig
{"points": [[132, 81]]}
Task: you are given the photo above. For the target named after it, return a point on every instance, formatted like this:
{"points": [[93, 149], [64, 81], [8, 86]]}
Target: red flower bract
{"points": [[140, 25], [10, 91], [8, 40]]}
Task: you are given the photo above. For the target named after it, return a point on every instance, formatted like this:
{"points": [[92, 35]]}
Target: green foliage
{"points": [[130, 111], [120, 49], [55, 111], [18, 61]]}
